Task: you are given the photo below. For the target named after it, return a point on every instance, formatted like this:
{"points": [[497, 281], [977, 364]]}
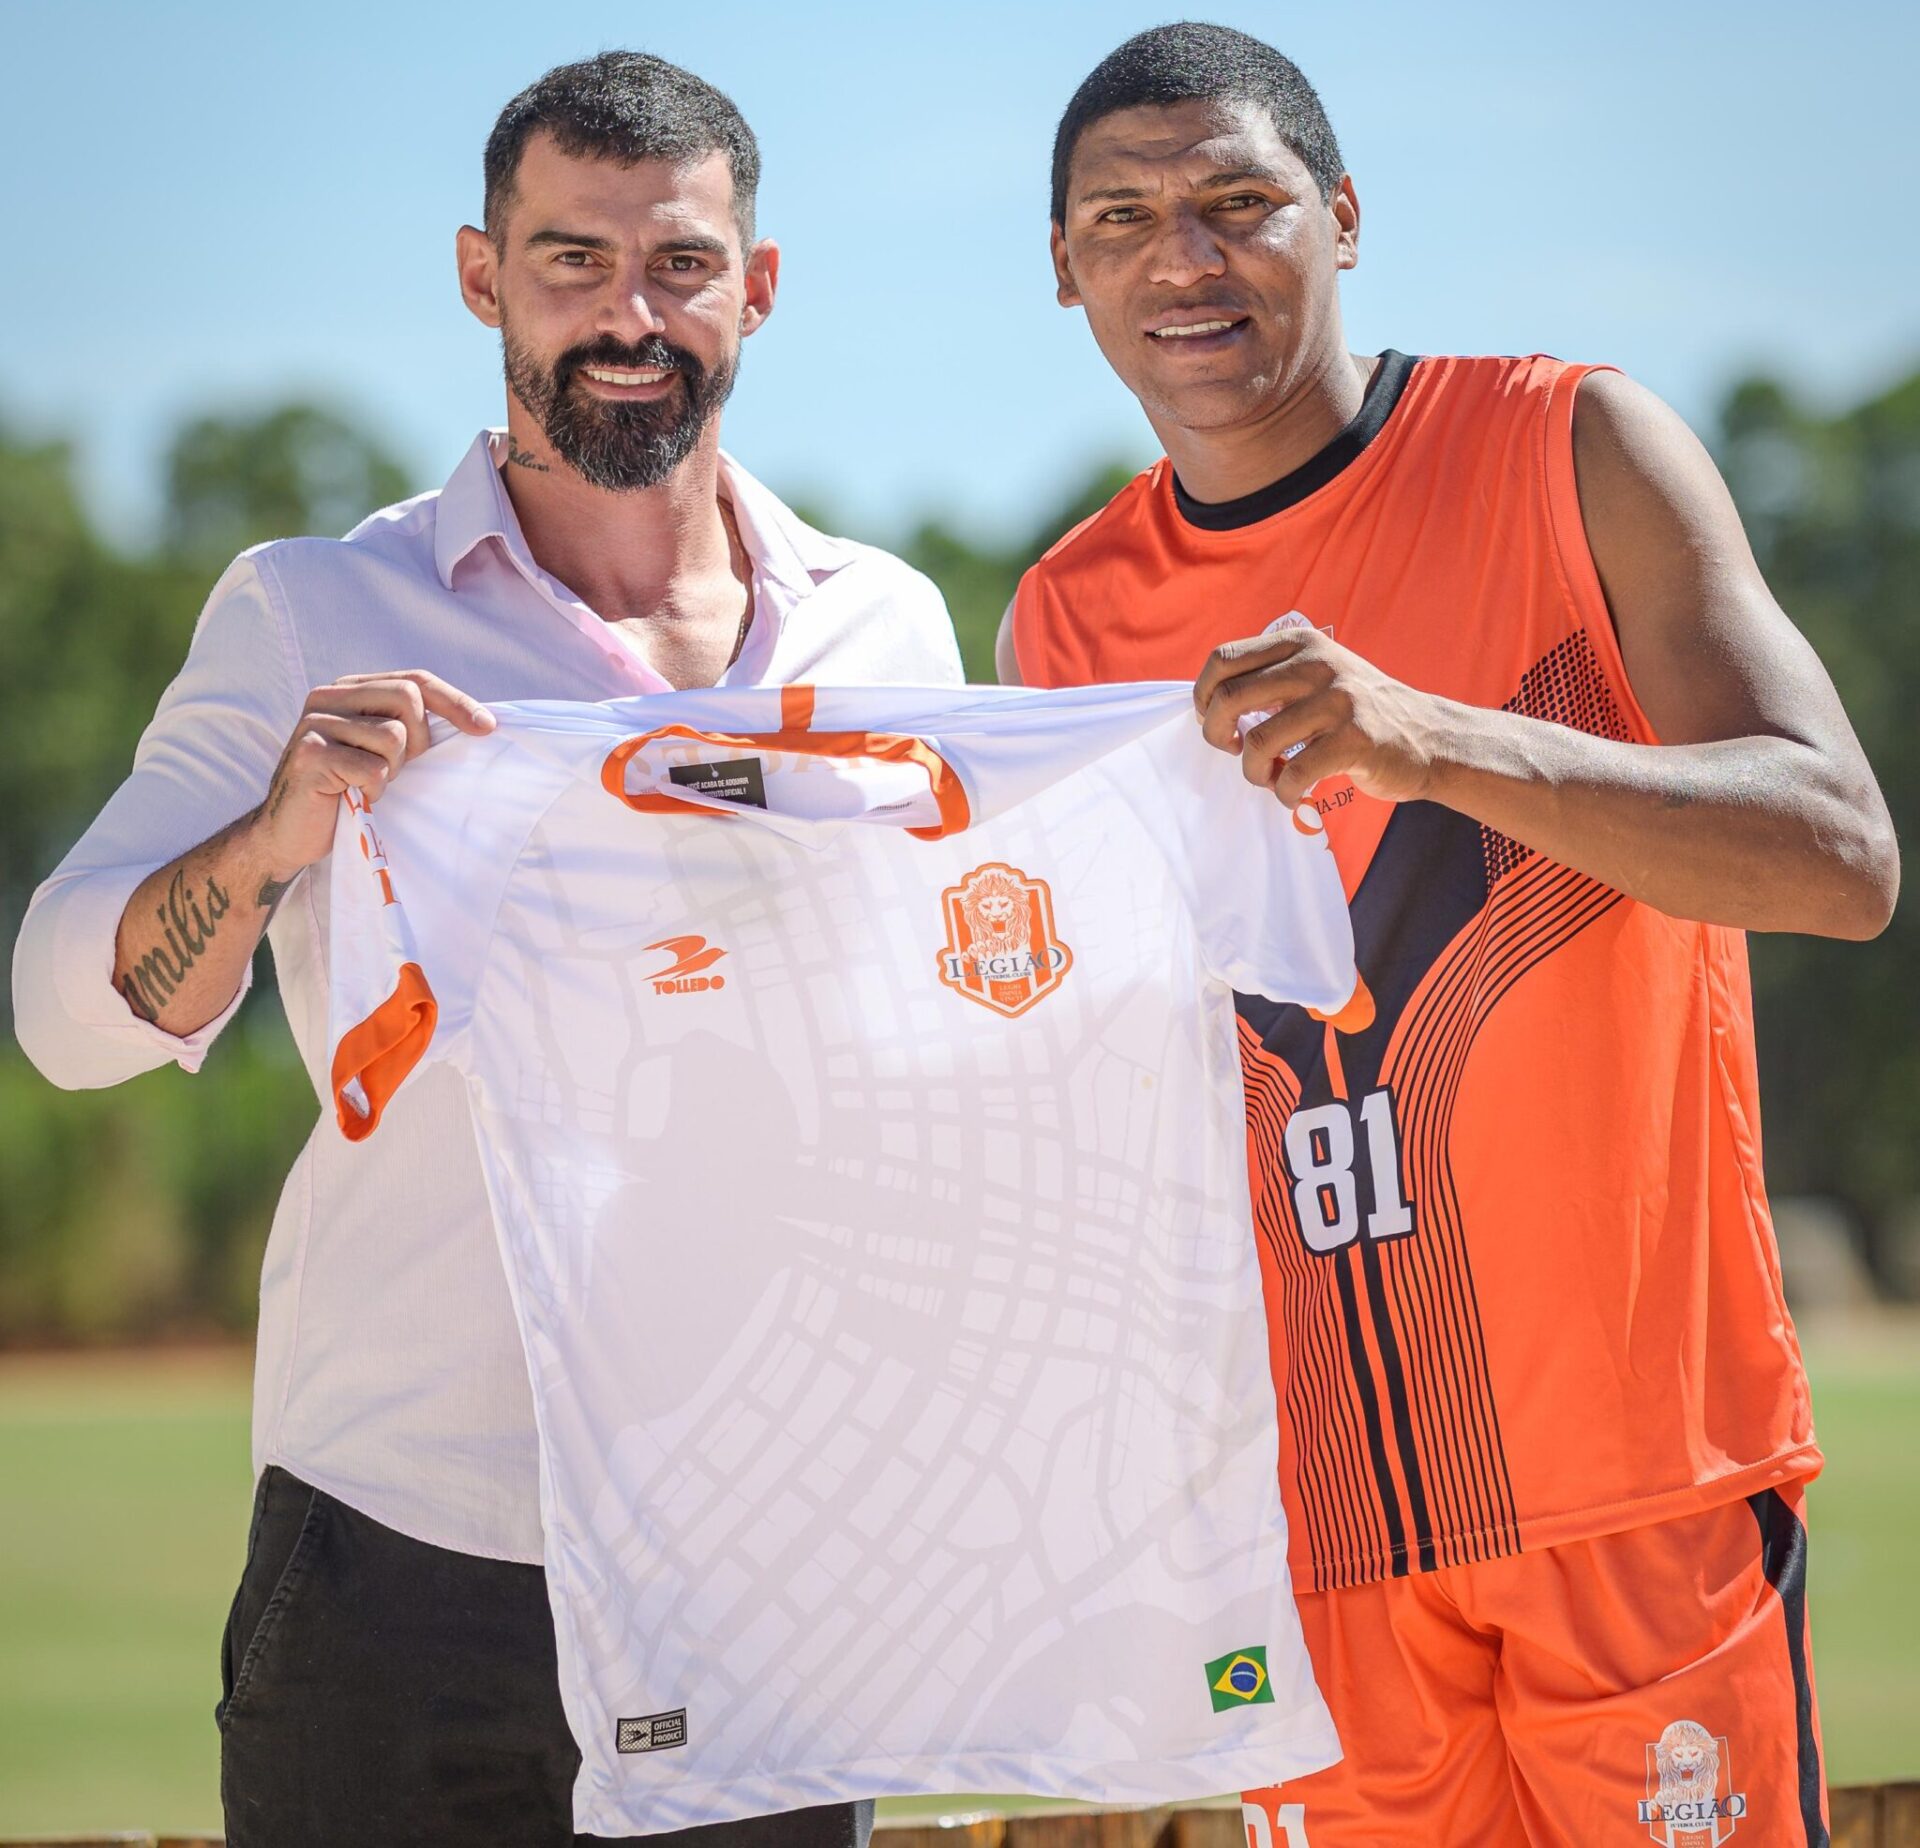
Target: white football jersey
{"points": [[857, 1087]]}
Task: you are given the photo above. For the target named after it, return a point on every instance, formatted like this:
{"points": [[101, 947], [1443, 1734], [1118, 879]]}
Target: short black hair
{"points": [[1190, 61], [624, 106]]}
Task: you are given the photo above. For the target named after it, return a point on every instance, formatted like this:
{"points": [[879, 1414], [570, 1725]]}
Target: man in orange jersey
{"points": [[1494, 625]]}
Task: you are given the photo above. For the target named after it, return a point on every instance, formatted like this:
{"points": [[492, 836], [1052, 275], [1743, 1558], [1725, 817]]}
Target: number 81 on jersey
{"points": [[1321, 1144]]}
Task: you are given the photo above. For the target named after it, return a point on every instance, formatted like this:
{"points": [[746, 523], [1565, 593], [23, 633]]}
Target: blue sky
{"points": [[216, 205]]}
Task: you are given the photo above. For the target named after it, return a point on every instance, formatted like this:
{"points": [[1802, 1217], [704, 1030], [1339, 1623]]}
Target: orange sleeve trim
{"points": [[949, 795], [382, 1050], [1356, 1012], [796, 708]]}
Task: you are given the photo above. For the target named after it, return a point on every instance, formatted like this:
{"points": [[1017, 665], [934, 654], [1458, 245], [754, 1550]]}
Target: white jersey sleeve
{"points": [[382, 1010], [415, 887], [1258, 877]]}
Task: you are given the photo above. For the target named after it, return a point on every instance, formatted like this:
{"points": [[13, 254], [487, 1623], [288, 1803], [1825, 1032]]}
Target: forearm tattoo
{"points": [[189, 921]]}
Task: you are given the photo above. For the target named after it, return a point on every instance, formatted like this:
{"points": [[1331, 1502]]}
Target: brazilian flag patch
{"points": [[1239, 1679]]}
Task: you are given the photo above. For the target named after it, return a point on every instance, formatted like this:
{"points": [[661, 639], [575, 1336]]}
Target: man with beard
{"points": [[1493, 625], [389, 1665]]}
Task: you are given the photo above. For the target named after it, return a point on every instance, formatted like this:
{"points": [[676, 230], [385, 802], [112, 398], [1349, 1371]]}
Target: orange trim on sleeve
{"points": [[1356, 1012], [382, 1050], [796, 708], [949, 795]]}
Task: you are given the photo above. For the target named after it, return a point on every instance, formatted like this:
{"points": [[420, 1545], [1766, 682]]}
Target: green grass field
{"points": [[123, 1503]]}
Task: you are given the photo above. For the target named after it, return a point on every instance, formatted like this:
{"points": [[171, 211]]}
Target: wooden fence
{"points": [[1883, 1816]]}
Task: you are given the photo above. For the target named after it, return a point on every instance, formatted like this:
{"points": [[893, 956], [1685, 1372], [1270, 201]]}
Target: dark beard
{"points": [[619, 446]]}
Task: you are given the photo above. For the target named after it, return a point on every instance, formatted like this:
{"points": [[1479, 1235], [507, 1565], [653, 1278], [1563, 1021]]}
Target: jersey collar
{"points": [[1383, 393]]}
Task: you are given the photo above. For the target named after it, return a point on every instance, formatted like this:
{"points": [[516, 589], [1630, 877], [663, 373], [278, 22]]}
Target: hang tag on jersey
{"points": [[737, 779], [1291, 620]]}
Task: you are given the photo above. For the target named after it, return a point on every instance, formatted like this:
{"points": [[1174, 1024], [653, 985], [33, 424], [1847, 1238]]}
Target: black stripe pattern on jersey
{"points": [[1399, 1461]]}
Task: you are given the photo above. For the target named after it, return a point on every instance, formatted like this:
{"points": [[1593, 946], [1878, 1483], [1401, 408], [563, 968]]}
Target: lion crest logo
{"points": [[1690, 1800], [1002, 949]]}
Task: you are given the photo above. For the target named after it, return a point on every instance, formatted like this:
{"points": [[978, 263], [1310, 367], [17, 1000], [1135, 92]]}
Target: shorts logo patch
{"points": [[652, 1732], [1690, 1800], [1002, 949], [1239, 1679]]}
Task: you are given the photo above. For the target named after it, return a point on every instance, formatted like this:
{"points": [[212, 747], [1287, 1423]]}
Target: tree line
{"points": [[143, 1210]]}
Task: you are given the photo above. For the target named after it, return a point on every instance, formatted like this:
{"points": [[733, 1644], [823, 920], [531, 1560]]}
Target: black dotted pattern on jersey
{"points": [[1566, 687]]}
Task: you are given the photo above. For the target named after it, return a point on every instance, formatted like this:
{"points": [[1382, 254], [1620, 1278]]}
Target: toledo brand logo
{"points": [[1002, 949], [691, 955]]}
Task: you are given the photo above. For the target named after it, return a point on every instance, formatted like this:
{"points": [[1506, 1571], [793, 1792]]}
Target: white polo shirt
{"points": [[388, 1370], [857, 1085]]}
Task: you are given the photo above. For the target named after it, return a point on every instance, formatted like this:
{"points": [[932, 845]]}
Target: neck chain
{"points": [[743, 570]]}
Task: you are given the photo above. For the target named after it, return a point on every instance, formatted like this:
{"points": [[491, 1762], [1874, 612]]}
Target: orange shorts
{"points": [[1655, 1684]]}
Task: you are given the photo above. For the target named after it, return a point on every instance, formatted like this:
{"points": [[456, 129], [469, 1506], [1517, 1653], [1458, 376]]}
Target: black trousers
{"points": [[378, 1692]]}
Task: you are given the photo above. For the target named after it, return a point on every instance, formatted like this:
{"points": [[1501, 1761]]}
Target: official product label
{"points": [[652, 1732]]}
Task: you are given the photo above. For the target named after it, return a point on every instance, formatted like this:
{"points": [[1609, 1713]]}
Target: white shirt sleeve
{"points": [[942, 644], [204, 760], [1259, 879], [875, 622]]}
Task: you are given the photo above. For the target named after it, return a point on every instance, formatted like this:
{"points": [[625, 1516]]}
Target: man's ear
{"points": [[1345, 207], [763, 284], [478, 263], [1066, 290]]}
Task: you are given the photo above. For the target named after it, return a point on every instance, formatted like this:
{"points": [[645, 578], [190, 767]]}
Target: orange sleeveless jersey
{"points": [[1521, 1276]]}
